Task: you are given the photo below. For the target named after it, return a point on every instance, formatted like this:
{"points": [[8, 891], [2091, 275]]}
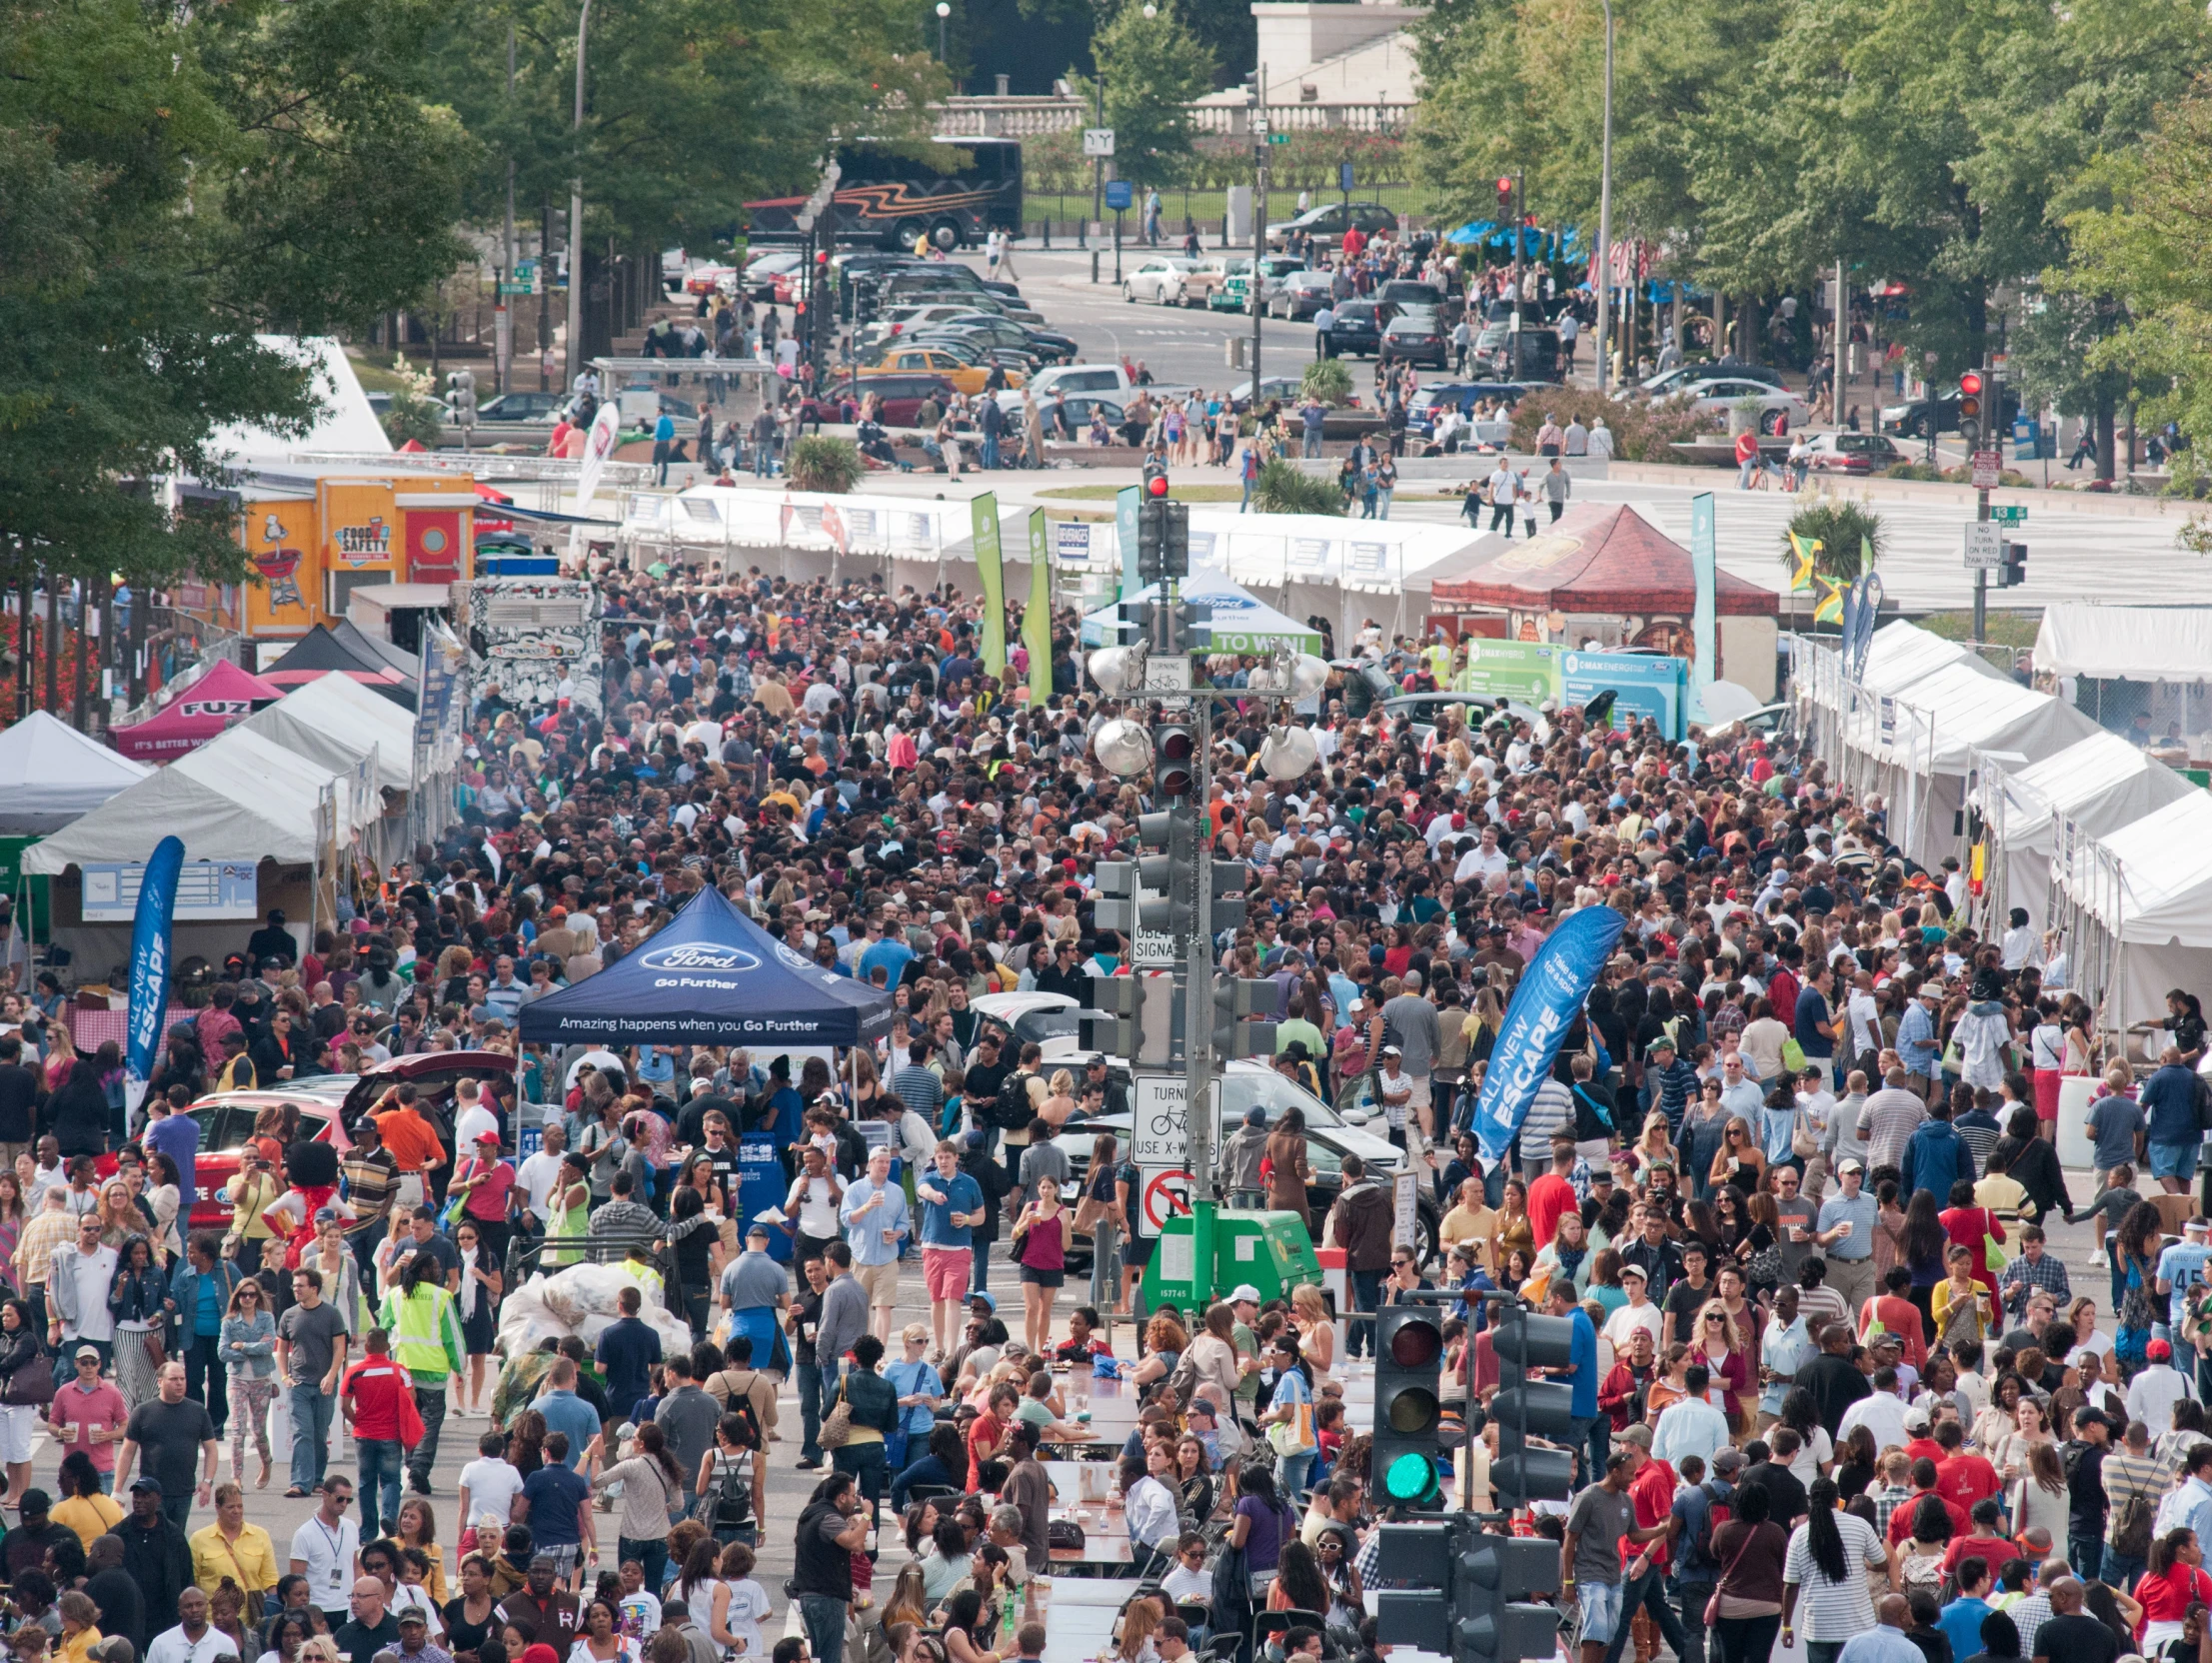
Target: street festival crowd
{"points": [[1788, 1182]]}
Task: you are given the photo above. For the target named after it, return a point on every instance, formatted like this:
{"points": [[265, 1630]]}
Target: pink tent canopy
{"points": [[223, 697]]}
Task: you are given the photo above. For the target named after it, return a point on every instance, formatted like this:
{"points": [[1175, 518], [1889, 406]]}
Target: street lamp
{"points": [[943, 11], [1289, 751], [1123, 746], [1606, 212], [1151, 11], [575, 208]]}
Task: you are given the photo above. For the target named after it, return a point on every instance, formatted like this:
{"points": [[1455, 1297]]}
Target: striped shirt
{"points": [[1830, 1612], [1550, 1113], [2127, 1476]]}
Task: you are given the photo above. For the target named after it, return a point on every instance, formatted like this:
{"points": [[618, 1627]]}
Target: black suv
{"points": [[1355, 329]]}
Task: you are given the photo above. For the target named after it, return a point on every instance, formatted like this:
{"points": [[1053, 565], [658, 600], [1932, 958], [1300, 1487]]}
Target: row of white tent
{"points": [[285, 784], [2085, 831]]}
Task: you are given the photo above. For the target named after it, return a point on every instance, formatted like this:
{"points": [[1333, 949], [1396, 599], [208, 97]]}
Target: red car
{"points": [[902, 394], [226, 1118]]}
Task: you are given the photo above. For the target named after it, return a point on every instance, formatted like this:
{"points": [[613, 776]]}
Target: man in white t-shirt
{"points": [[1639, 1312], [323, 1551], [541, 1171], [490, 1483], [194, 1639], [471, 1118]]}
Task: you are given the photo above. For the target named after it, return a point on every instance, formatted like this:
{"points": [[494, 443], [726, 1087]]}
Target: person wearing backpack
{"points": [[2134, 1480], [747, 1399], [1700, 1508]]}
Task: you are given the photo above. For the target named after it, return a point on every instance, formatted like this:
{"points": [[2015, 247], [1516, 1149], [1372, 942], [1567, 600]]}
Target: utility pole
{"points": [[1098, 166], [574, 355], [1604, 284], [502, 319], [1262, 138], [1842, 347], [1520, 220]]}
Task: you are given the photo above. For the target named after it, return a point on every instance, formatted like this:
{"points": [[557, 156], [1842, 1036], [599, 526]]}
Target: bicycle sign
{"points": [[1159, 1130]]}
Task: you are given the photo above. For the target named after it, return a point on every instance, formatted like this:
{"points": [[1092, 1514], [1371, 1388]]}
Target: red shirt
{"points": [[1550, 1198], [1900, 1522], [1965, 1478], [2165, 1599], [1897, 1316], [496, 1182], [374, 1386], [1915, 1448], [983, 1442], [1653, 1491], [1995, 1549]]}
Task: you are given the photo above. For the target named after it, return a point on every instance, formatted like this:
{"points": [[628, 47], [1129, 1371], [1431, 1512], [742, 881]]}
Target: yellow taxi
{"points": [[968, 377]]}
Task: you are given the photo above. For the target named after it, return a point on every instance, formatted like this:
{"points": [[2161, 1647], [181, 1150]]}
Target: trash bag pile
{"points": [[580, 1301]]}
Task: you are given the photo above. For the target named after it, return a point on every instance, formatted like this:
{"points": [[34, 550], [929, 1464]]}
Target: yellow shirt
{"points": [[2003, 1194], [251, 1561], [77, 1647], [1475, 1225], [89, 1517]]}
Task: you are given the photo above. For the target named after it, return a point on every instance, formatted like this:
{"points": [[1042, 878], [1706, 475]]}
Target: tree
{"points": [[1842, 528], [1284, 488], [1153, 67]]}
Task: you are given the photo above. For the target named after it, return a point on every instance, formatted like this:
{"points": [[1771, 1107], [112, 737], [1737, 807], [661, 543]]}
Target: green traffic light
{"points": [[1410, 1478]]}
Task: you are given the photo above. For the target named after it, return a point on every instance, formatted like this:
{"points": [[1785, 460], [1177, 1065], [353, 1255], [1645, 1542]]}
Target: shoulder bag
{"points": [[31, 1384], [837, 1425], [1712, 1606]]}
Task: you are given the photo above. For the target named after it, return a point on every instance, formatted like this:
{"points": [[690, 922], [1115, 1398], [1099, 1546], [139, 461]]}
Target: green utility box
{"points": [[1271, 1251]]}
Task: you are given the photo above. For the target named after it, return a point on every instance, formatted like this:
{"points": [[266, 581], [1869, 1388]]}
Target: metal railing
{"points": [[1015, 118]]}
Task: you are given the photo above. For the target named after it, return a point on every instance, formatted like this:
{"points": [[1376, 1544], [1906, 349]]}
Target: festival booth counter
{"points": [[712, 976]]}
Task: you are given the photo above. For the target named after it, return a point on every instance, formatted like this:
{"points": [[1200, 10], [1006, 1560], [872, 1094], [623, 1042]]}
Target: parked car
{"points": [[328, 1104], [1911, 420], [1404, 292], [1159, 280], [1329, 222], [1537, 358], [902, 394], [1287, 388], [1669, 382], [1719, 396], [937, 359], [1354, 329], [762, 271], [1852, 452], [1431, 401], [1418, 335], [1302, 295]]}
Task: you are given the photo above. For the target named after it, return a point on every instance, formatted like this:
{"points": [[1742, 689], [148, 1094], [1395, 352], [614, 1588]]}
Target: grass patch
{"points": [[374, 377], [2003, 629], [1181, 493]]}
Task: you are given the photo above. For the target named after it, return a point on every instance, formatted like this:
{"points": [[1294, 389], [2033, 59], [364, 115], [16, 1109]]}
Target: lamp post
{"points": [[576, 209], [1606, 212], [943, 11]]}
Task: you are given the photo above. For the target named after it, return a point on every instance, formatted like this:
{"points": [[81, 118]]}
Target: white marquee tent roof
{"points": [[2101, 783], [2165, 861], [2136, 643], [337, 721], [50, 774], [1973, 711], [213, 824]]}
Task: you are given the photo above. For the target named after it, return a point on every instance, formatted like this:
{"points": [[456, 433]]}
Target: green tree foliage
{"points": [[1328, 380], [172, 181], [821, 463], [1841, 527], [1153, 67], [1284, 488]]}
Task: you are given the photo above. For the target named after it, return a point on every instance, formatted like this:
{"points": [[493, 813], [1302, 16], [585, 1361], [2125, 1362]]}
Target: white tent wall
{"points": [[2146, 891], [2101, 785], [2137, 643], [50, 774]]}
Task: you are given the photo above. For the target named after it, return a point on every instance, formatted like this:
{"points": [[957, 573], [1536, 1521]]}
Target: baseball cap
{"points": [[414, 1614], [1728, 1460], [1849, 1165], [2158, 1351], [83, 1351], [1636, 1433], [1635, 1270], [1242, 1292], [1916, 1420], [757, 1231], [144, 1482], [491, 1137], [985, 1298]]}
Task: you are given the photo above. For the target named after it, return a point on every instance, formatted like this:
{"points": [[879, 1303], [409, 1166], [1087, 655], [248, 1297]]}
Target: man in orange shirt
{"points": [[410, 1139], [1551, 1197]]}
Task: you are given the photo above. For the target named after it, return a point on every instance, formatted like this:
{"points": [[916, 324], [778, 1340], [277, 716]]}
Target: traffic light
{"points": [[1115, 905], [461, 395], [1523, 1407], [1175, 772], [1235, 1001], [1151, 540], [1471, 1595], [1176, 537], [2014, 572], [1504, 202], [1132, 1019], [863, 303], [1408, 1410], [1154, 483], [1228, 909], [1970, 406]]}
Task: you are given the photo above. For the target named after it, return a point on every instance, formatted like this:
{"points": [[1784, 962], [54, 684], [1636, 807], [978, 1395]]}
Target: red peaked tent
{"points": [[1596, 560], [223, 697]]}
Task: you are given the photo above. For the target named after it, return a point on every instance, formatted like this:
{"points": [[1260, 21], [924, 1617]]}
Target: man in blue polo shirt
{"points": [[952, 1205], [567, 1412], [1581, 1375]]}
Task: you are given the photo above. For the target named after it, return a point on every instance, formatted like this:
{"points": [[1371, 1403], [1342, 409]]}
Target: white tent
{"points": [[50, 774], [346, 423], [2099, 785], [246, 764], [2133, 643], [337, 721], [214, 825], [2147, 889]]}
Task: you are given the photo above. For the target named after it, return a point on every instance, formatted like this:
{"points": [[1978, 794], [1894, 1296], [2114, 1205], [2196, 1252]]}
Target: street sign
{"points": [[1278, 138], [1984, 546], [1167, 1192], [1159, 1127], [1343, 176], [2009, 514], [1167, 673], [1119, 195], [1989, 467], [518, 289], [1097, 141]]}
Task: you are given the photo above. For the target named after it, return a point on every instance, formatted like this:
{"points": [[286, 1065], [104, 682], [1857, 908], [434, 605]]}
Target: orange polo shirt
{"points": [[415, 1148]]}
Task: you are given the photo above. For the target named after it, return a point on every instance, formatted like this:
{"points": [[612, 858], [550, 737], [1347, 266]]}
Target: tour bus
{"points": [[965, 190]]}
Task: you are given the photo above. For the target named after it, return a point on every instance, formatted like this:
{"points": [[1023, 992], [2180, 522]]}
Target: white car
{"points": [[1252, 1083], [1718, 397], [1159, 280], [1044, 1020]]}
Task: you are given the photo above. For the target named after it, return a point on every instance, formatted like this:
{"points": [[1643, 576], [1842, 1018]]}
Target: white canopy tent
{"points": [[2135, 644], [2099, 785], [337, 721], [2139, 903], [50, 774], [244, 764]]}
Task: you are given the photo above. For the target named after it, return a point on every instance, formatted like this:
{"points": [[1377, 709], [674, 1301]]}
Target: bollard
{"points": [[1094, 265]]}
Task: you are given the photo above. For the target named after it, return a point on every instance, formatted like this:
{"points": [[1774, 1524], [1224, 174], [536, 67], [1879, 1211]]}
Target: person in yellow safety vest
{"points": [[426, 1338]]}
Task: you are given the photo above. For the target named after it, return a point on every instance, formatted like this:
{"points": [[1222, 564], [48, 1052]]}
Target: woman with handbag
{"points": [[1745, 1612], [230, 1549], [248, 1349], [861, 1422], [138, 1300], [26, 1387]]}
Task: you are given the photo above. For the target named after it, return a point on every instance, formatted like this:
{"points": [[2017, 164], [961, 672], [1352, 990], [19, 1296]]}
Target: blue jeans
{"points": [[312, 1411], [825, 1620], [990, 450], [2086, 1553], [1290, 1471], [2120, 1570], [380, 1485], [1367, 1296], [817, 1390], [652, 1557]]}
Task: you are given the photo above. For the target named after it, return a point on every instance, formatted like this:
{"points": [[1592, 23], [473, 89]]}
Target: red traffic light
{"points": [[1157, 485], [1176, 745], [1504, 186], [1971, 382]]}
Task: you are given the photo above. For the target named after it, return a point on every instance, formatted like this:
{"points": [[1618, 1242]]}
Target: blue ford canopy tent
{"points": [[711, 978]]}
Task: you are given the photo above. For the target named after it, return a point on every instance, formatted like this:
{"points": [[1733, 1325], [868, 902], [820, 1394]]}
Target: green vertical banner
{"points": [[1705, 566], [1126, 500], [992, 575], [1037, 617]]}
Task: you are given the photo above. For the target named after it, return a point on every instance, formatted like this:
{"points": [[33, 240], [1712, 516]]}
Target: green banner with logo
{"points": [[992, 575], [1037, 617], [1524, 669]]}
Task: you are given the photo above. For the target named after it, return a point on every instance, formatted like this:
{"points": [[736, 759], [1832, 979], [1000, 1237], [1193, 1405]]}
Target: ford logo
{"points": [[698, 956]]}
